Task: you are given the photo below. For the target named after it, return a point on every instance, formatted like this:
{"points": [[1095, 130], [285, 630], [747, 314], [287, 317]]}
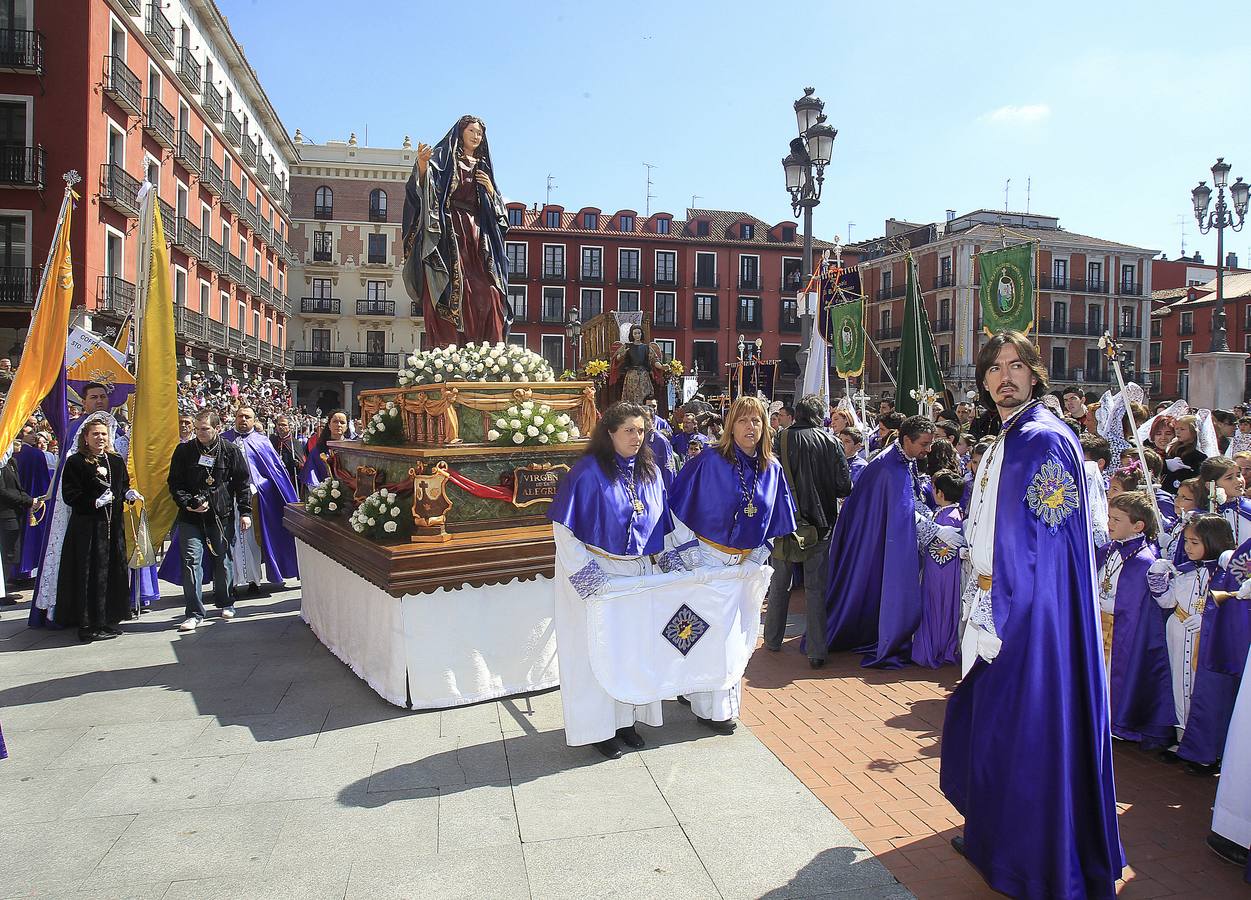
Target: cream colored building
{"points": [[354, 322]]}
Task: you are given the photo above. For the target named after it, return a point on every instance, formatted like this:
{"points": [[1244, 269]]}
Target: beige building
{"points": [[354, 322]]}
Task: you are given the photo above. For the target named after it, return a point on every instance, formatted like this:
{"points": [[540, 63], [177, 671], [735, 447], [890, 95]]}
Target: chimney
{"points": [[1231, 260], [1197, 258], [951, 214]]}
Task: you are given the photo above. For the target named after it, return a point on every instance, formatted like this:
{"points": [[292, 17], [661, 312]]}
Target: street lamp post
{"points": [[1221, 218], [805, 175]]}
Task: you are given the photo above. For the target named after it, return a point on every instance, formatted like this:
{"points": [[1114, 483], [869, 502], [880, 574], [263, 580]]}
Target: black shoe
{"points": [[815, 663], [1228, 850], [722, 726], [631, 738], [683, 700], [1201, 771], [111, 631], [106, 634], [609, 748], [957, 844], [86, 635], [1169, 756]]}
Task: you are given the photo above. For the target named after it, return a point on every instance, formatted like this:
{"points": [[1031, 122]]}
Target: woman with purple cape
{"points": [[729, 504], [609, 522]]}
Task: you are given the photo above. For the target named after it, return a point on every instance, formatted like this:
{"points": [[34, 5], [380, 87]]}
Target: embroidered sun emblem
{"points": [[684, 629], [941, 553], [1240, 565], [1052, 495]]}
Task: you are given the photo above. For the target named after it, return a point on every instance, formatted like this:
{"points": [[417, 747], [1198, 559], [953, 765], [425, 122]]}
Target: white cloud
{"points": [[1029, 114]]}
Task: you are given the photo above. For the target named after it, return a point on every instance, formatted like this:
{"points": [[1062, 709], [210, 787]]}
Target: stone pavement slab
{"points": [[245, 761]]}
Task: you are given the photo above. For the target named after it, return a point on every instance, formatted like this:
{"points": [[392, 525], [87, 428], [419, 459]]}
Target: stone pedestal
{"points": [[1217, 379]]}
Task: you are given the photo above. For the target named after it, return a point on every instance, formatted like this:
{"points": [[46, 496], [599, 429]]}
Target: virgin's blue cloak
{"points": [[1027, 746], [873, 591]]}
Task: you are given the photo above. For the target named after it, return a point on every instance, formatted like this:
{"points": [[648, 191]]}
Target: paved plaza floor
{"points": [[246, 761]]}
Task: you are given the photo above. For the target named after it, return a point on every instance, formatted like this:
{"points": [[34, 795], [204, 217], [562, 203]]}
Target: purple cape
{"points": [[1224, 636], [937, 641], [274, 491], [874, 557], [707, 496], [681, 442], [1027, 745], [856, 464], [662, 452], [32, 471], [597, 510], [314, 471], [1140, 681]]}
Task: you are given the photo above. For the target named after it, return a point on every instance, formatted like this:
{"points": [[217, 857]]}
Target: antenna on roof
{"points": [[1005, 194], [1181, 220], [849, 227], [695, 197], [1029, 182], [551, 183], [647, 200]]}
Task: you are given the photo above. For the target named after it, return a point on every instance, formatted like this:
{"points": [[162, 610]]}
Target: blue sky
{"points": [[1112, 111]]}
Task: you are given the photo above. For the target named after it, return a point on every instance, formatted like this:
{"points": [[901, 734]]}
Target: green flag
{"points": [[918, 363], [846, 331], [1007, 288]]}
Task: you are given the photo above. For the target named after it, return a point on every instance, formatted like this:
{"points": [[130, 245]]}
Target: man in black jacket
{"points": [[817, 473], [14, 503], [209, 480]]}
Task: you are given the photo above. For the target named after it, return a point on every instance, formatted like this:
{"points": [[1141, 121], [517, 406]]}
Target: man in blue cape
{"points": [[32, 471], [873, 592], [1027, 742]]}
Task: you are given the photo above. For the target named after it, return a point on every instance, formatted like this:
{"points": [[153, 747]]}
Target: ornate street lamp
{"points": [[1221, 218]]}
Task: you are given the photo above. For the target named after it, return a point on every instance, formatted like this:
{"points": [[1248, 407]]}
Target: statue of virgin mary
{"points": [[454, 225]]}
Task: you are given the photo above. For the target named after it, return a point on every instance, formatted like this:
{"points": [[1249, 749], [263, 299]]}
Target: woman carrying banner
{"points": [[729, 504], [609, 520]]}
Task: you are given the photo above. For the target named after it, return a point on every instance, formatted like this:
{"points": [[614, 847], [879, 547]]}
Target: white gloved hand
{"points": [[252, 488], [1244, 592], [133, 496], [951, 536], [1174, 464], [1161, 567], [964, 552], [104, 499]]}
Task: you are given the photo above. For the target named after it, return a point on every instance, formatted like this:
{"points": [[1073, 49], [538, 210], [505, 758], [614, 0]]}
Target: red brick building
{"points": [[120, 90], [1181, 324]]}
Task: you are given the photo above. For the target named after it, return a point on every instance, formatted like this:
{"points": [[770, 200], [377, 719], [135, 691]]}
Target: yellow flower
{"points": [[596, 367]]}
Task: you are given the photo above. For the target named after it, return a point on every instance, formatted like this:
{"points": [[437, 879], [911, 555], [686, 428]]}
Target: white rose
{"points": [[574, 431], [518, 368], [505, 378], [395, 512], [538, 420], [514, 424], [395, 412], [390, 527], [371, 521], [523, 377], [438, 377], [493, 435], [333, 506], [562, 419], [529, 404], [334, 493], [500, 423], [532, 431], [518, 438], [543, 439], [562, 436], [549, 428]]}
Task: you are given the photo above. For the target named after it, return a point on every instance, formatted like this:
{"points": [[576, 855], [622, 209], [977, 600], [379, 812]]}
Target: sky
{"points": [[1109, 111]]}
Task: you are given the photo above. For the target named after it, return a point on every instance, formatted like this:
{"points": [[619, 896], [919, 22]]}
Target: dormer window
{"points": [[662, 226], [590, 221], [747, 231], [701, 228], [627, 223], [552, 218], [514, 216], [788, 233]]}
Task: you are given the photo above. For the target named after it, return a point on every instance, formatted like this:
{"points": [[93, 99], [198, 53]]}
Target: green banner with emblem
{"points": [[1007, 288], [846, 334]]}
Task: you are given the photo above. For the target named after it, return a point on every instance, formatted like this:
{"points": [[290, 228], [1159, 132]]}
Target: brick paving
{"points": [[866, 743]]}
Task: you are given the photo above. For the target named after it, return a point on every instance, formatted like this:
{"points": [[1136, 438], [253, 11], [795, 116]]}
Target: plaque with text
{"points": [[536, 484]]}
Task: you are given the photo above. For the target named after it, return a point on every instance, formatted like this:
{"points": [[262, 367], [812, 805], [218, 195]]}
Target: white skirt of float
{"points": [[436, 650]]}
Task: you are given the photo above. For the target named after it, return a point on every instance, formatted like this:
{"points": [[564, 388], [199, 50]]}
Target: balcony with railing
{"points": [[16, 288], [944, 280], [234, 268], [187, 152], [704, 281], [233, 198], [1084, 376], [667, 279], [375, 307], [187, 237], [233, 129], [1075, 328], [1129, 288], [211, 176], [160, 30], [132, 7], [234, 340], [629, 276], [23, 167], [791, 283], [216, 332], [252, 279], [211, 254], [159, 122], [749, 282], [323, 211], [1072, 285], [319, 359], [893, 292], [1129, 332], [889, 333], [188, 324], [585, 276], [21, 51], [119, 189], [189, 70], [114, 296], [122, 85], [265, 172], [375, 360], [248, 152], [211, 100], [322, 254], [377, 212], [943, 326], [1186, 327], [253, 214]]}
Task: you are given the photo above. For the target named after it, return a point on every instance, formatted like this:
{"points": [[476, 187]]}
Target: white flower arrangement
{"points": [[474, 362], [531, 423], [385, 427], [380, 517], [326, 499]]}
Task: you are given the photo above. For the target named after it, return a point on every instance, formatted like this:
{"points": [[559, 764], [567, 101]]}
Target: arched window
{"points": [[323, 203], [377, 205]]}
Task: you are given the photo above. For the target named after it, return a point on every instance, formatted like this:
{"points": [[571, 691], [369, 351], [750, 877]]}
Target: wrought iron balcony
{"points": [[248, 153], [234, 339], [216, 332], [234, 268], [211, 255], [749, 283], [1072, 285], [233, 198], [587, 277], [375, 307], [23, 167], [375, 360], [251, 279], [159, 123], [186, 236], [189, 70], [188, 324], [1131, 332], [122, 85], [319, 359], [323, 212], [943, 326], [265, 172], [252, 213], [234, 132], [321, 256], [793, 282], [553, 274], [1064, 326], [21, 51], [628, 278], [377, 213], [211, 176], [893, 292], [16, 288], [119, 189], [211, 100], [667, 279], [944, 280], [115, 295], [1129, 288], [132, 7], [160, 30], [889, 333], [187, 152]]}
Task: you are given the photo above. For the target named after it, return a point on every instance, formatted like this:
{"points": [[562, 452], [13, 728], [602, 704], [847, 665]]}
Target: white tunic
{"points": [[246, 555], [1231, 816], [979, 638], [1182, 634]]}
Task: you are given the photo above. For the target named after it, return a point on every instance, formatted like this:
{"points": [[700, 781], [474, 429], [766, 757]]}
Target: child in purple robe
{"points": [[1139, 678], [937, 642]]}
